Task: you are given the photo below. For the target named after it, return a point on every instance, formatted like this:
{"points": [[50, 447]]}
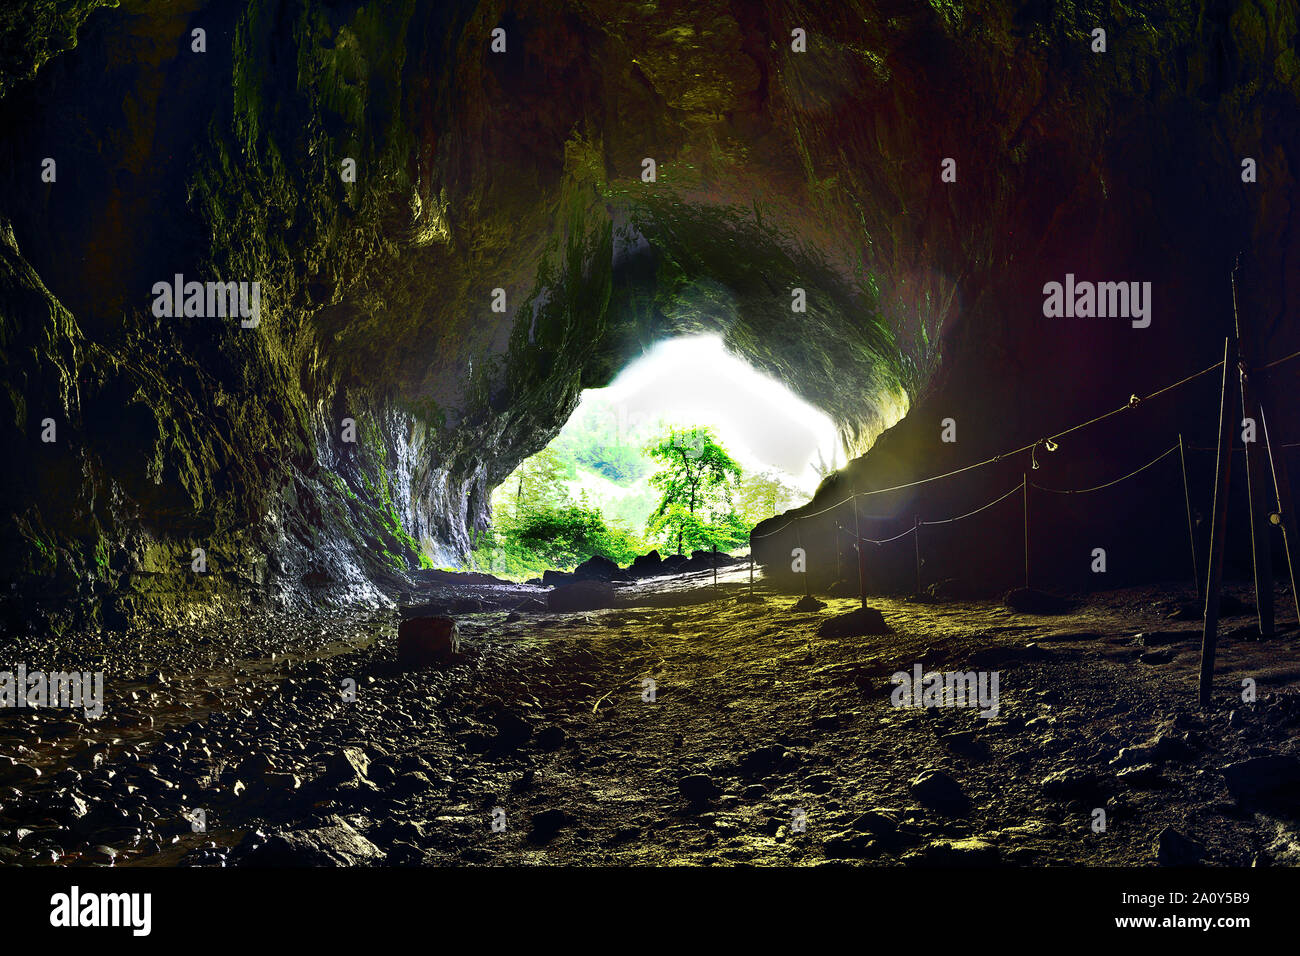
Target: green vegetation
{"points": [[697, 478], [604, 487]]}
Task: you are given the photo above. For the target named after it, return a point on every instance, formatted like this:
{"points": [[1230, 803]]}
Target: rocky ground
{"points": [[764, 743]]}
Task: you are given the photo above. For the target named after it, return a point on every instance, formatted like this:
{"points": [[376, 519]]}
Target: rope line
{"points": [[888, 540], [1236, 448], [1084, 491], [969, 514], [1284, 358]]}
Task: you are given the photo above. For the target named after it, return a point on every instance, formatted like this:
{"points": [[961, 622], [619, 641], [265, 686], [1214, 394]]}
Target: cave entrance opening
{"points": [[687, 448]]}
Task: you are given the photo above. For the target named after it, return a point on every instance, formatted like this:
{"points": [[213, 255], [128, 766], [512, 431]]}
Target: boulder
{"points": [[427, 641], [337, 844], [349, 765], [698, 788], [863, 620], [846, 845], [971, 851], [553, 579], [1069, 783], [548, 824], [581, 596], [1033, 601], [945, 589], [1174, 849], [879, 823], [647, 564], [937, 791], [596, 568], [1274, 778], [673, 563]]}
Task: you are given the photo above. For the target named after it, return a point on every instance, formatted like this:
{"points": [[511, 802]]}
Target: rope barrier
{"points": [[894, 538], [1238, 448], [1284, 358], [969, 514], [1084, 491], [1132, 403]]}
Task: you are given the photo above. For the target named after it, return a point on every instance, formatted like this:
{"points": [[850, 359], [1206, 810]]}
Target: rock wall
{"points": [[521, 171]]}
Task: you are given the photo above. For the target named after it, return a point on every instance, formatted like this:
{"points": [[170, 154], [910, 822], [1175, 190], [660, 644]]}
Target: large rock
{"points": [[673, 564], [1174, 849], [427, 641], [349, 765], [1272, 779], [596, 568], [337, 844], [862, 620], [937, 791], [1034, 601], [646, 564], [581, 596], [968, 852], [1069, 783]]}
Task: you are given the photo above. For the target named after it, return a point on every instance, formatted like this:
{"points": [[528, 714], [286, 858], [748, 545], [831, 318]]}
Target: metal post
{"points": [[861, 555], [798, 540], [1191, 531], [839, 561], [1260, 548], [1219, 528], [1024, 488], [1285, 515], [916, 540]]}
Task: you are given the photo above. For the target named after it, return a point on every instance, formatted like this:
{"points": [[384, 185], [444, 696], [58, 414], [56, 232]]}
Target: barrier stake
{"points": [[1191, 533], [1024, 487], [916, 536], [1214, 575], [1260, 547], [1285, 514], [858, 550]]}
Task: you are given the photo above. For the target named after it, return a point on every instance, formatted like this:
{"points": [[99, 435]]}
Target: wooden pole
{"points": [[839, 559], [1285, 515], [1191, 528], [1218, 529], [798, 540], [1024, 488], [857, 549], [1260, 546], [916, 540]]}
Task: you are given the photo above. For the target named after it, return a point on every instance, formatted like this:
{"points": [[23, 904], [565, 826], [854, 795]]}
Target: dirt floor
{"points": [[761, 743]]}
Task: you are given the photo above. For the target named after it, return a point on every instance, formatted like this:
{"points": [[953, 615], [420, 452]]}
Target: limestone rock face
{"points": [[381, 174]]}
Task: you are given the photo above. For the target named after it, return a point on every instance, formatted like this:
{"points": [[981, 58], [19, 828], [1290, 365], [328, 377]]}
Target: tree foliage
{"points": [[697, 478]]}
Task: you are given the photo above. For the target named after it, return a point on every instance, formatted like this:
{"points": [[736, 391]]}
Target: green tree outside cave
{"points": [[697, 477]]}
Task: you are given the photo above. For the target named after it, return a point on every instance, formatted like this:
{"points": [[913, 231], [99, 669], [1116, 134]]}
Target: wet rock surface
{"points": [[302, 742]]}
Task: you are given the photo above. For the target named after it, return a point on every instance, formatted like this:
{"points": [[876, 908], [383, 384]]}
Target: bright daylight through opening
{"points": [[600, 488]]}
